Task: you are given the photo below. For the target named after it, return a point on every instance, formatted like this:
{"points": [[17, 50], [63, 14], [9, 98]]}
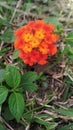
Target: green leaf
{"points": [[7, 114], [30, 87], [67, 127], [69, 39], [4, 22], [12, 76], [2, 127], [67, 89], [15, 54], [53, 20], [68, 51], [7, 36], [2, 75], [3, 94], [16, 105], [51, 126], [28, 116], [66, 112], [29, 76], [28, 5], [48, 125], [27, 81]]}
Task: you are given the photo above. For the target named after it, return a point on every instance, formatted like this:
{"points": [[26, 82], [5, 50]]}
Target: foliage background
{"points": [[51, 106]]}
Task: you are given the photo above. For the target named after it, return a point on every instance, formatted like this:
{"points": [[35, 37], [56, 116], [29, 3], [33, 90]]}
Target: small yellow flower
{"points": [[27, 48], [27, 37], [43, 48], [40, 34], [35, 42]]}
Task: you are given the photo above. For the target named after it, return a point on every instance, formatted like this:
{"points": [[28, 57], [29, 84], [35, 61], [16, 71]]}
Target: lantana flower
{"points": [[35, 42]]}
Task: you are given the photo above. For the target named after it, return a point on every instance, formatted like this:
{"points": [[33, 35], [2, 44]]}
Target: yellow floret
{"points": [[27, 37], [35, 42], [43, 48], [40, 34], [27, 48]]}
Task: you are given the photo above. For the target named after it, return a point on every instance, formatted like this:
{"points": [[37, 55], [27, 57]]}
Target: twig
{"points": [[3, 120], [27, 127], [10, 7], [58, 116], [17, 6]]}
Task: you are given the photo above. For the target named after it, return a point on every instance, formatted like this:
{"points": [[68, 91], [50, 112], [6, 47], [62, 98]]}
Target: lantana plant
{"points": [[35, 42]]}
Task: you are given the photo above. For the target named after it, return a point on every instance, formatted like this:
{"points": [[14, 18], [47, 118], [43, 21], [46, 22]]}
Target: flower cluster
{"points": [[35, 42]]}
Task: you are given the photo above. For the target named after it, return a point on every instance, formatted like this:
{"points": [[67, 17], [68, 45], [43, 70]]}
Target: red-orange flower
{"points": [[36, 41]]}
